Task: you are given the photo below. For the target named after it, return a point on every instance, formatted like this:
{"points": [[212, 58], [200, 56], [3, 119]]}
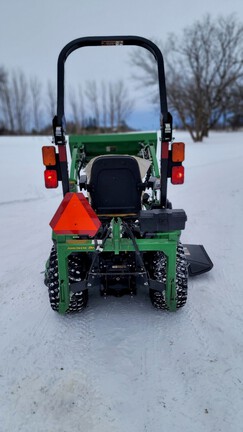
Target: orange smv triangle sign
{"points": [[75, 216]]}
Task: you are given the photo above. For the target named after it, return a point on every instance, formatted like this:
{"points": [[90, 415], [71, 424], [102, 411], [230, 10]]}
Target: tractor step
{"points": [[198, 259]]}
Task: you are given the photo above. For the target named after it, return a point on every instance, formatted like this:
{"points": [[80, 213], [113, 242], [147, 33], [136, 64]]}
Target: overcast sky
{"points": [[32, 32]]}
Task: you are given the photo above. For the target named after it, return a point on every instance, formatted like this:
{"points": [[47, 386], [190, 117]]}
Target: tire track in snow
{"points": [[84, 359], [197, 324], [30, 200], [21, 201], [181, 395], [230, 292], [162, 375], [143, 348], [122, 352]]}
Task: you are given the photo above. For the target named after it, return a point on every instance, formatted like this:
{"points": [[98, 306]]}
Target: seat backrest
{"points": [[115, 185]]}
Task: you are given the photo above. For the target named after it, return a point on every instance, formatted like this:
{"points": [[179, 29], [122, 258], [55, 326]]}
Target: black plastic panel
{"points": [[198, 259], [162, 220]]}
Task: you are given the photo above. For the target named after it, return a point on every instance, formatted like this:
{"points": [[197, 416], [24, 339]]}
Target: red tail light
{"points": [[177, 175], [51, 180]]}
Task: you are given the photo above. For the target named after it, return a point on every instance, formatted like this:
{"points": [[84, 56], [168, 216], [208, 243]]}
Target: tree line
{"points": [[27, 106], [204, 80]]}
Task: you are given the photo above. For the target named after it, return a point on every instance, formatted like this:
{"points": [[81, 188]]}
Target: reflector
{"points": [[75, 216], [177, 175], [51, 180], [164, 150], [178, 152], [49, 155]]}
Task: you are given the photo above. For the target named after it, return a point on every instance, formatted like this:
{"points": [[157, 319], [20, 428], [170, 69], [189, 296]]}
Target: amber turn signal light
{"points": [[178, 152], [49, 155]]}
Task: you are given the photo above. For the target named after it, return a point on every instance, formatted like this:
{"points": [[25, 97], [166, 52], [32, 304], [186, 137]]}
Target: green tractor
{"points": [[115, 230]]}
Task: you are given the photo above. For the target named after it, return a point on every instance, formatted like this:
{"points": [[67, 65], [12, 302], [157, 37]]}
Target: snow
{"points": [[121, 365]]}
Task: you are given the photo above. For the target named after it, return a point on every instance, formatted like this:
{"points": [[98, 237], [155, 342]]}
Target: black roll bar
{"points": [[109, 41]]}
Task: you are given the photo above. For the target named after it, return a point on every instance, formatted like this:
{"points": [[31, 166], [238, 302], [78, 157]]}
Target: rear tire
{"points": [[159, 274], [79, 300]]}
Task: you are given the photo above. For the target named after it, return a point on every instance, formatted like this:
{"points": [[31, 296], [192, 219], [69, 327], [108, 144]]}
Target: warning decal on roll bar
{"points": [[109, 42]]}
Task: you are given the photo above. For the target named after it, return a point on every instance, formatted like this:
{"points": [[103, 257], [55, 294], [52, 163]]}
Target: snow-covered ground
{"points": [[121, 365]]}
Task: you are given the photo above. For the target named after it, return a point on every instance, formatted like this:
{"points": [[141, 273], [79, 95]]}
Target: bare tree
{"points": [[233, 115], [3, 78], [146, 72], [77, 108], [109, 103], [111, 106], [123, 103], [104, 104], [35, 91], [7, 107], [15, 102], [93, 99], [20, 96], [51, 99], [202, 67]]}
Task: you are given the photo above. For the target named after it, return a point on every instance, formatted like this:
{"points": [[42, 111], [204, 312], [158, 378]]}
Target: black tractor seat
{"points": [[115, 186]]}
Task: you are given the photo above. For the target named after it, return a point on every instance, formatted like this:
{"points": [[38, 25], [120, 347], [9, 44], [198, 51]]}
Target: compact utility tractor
{"points": [[115, 230]]}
